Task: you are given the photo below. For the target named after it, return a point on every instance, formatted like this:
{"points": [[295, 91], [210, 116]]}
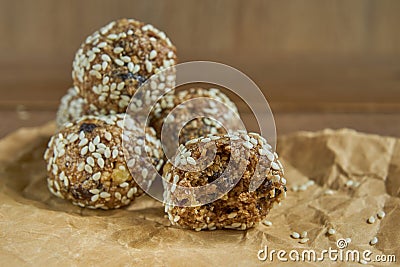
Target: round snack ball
{"points": [[71, 108], [240, 208], [86, 164], [116, 60], [197, 100]]}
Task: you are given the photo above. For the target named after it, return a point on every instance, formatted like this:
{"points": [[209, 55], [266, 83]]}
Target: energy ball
{"points": [[71, 108], [86, 164], [257, 169], [197, 112], [116, 60]]}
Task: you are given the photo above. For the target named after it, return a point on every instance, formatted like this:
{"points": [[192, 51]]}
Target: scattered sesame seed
{"points": [[304, 240], [138, 150], [381, 214], [267, 223], [130, 66], [131, 163], [235, 225], [329, 192], [126, 59], [95, 73], [145, 172], [371, 220], [295, 235], [104, 65], [348, 240], [177, 218], [232, 215], [118, 195], [373, 241], [206, 140], [119, 62], [331, 231], [107, 153], [112, 36], [102, 44], [81, 166], [349, 183], [303, 234], [131, 192], [283, 180], [108, 136]]}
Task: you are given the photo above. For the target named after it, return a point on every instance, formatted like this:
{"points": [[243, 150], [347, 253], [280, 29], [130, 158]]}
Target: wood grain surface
{"points": [[320, 63]]}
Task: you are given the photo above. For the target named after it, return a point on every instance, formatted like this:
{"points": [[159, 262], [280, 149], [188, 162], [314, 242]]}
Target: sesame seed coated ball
{"points": [[86, 164], [210, 102], [240, 208], [72, 107], [116, 60]]}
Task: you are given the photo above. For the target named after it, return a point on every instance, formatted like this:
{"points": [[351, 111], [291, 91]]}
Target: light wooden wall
{"points": [[296, 51]]}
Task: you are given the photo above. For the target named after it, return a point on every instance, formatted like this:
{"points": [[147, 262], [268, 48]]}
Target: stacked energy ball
{"points": [[87, 162]]}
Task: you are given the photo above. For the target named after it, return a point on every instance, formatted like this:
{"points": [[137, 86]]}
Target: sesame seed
{"points": [[177, 218], [96, 67], [130, 66], [348, 240], [138, 150], [381, 214], [304, 240], [267, 223], [206, 140], [248, 145], [105, 195], [81, 166], [136, 69], [295, 235], [95, 73], [83, 142], [115, 153], [275, 166], [88, 168], [124, 184], [149, 66], [235, 225], [94, 198], [66, 181], [191, 160], [118, 195], [112, 36], [232, 215], [94, 191], [283, 180], [107, 153], [81, 135], [118, 50], [100, 162], [119, 62], [373, 241], [105, 57], [90, 161], [108, 136], [96, 140], [371, 220], [329, 192], [173, 187], [131, 163], [96, 176], [130, 192], [303, 234], [152, 54], [96, 155], [102, 44], [331, 231], [91, 147], [106, 79], [126, 59], [84, 150], [121, 86]]}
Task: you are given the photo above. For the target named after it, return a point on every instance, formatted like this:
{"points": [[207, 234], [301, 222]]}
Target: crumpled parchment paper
{"points": [[38, 228]]}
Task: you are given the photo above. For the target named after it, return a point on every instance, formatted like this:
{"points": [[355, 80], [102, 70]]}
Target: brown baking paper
{"points": [[38, 228]]}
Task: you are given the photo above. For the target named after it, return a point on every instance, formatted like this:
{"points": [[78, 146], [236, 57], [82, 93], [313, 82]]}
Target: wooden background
{"points": [[320, 63]]}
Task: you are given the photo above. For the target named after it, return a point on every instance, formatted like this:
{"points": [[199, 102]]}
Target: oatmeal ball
{"points": [[261, 183], [116, 60], [72, 107], [86, 164], [205, 102]]}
